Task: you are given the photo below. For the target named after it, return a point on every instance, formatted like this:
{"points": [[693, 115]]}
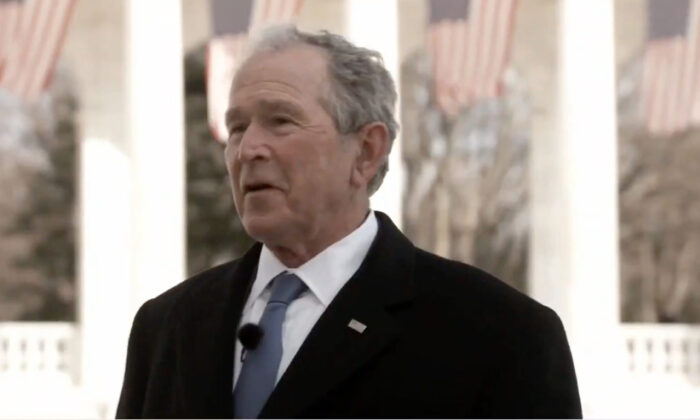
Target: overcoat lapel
{"points": [[333, 351], [206, 337]]}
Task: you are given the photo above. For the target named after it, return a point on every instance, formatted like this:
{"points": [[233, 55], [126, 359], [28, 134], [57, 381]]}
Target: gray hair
{"points": [[361, 89]]}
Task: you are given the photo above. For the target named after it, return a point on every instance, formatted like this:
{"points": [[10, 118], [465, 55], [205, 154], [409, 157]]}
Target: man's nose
{"points": [[253, 144]]}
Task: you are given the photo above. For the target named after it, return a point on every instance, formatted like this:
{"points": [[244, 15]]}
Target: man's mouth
{"points": [[257, 187]]}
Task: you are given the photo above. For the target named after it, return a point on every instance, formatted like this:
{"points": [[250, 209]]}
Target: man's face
{"points": [[289, 168]]}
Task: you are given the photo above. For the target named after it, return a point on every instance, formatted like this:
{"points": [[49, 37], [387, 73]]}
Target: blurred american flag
{"points": [[469, 43], [670, 90], [232, 21], [31, 35]]}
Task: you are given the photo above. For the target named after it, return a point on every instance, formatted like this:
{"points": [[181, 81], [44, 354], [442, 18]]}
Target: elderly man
{"points": [[334, 313]]}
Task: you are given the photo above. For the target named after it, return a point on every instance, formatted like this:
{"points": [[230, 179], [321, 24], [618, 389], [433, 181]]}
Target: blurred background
{"points": [[554, 143]]}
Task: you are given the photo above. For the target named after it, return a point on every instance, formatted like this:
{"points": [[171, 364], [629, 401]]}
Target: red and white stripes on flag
{"points": [[469, 44], [31, 35], [670, 89], [270, 12], [233, 21]]}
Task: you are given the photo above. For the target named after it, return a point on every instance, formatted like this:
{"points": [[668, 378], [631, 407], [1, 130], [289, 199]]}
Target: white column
{"points": [[374, 24], [105, 315], [132, 230], [574, 202], [155, 113]]}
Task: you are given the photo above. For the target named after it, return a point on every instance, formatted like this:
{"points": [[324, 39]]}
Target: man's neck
{"points": [[301, 251]]}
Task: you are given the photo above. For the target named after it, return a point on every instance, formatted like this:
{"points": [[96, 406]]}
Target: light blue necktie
{"points": [[259, 371]]}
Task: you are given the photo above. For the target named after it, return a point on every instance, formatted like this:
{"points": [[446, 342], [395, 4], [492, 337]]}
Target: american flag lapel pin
{"points": [[357, 326]]}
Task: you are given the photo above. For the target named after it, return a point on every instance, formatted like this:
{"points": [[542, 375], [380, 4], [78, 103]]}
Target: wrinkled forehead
{"points": [[303, 65]]}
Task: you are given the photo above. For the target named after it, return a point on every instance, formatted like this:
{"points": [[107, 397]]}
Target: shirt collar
{"points": [[326, 273]]}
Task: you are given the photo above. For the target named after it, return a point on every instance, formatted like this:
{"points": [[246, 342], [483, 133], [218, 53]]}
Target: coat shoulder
{"points": [[149, 342], [206, 281], [461, 285], [521, 344]]}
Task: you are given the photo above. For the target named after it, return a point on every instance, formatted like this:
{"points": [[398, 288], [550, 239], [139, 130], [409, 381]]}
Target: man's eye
{"points": [[236, 128], [281, 120], [235, 132]]}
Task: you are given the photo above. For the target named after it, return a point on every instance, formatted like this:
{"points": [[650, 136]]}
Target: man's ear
{"points": [[373, 151]]}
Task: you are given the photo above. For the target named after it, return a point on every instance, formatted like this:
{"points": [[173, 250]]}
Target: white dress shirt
{"points": [[324, 275]]}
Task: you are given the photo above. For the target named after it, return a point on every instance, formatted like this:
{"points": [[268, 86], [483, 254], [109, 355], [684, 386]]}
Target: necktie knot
{"points": [[285, 288]]}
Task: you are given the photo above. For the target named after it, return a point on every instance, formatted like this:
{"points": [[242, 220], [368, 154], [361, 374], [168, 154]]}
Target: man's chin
{"points": [[262, 229]]}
